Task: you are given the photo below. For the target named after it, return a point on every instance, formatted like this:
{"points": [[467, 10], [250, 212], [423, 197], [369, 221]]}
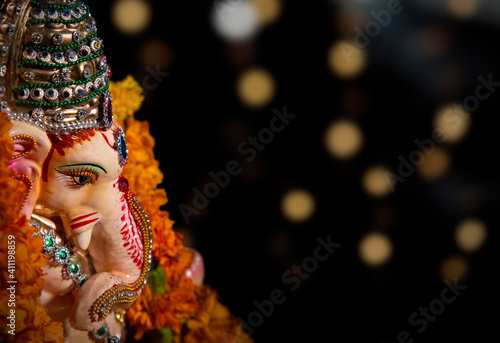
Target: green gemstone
{"points": [[74, 268], [49, 242], [63, 255], [82, 282], [101, 331]]}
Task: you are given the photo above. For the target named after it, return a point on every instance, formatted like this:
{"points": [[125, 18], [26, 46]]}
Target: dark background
{"points": [[248, 244]]}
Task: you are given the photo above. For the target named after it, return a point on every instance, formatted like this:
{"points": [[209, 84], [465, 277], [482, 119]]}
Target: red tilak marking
{"points": [[61, 142], [45, 167], [106, 139], [82, 217], [75, 226]]}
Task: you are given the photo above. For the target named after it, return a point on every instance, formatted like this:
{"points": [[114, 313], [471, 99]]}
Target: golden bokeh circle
{"points": [[343, 139], [375, 249], [462, 9], [454, 268], [131, 16], [256, 87], [470, 235], [268, 11], [453, 121], [298, 205], [435, 165], [346, 60], [375, 181]]}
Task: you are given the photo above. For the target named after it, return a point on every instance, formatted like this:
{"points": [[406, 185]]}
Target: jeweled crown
{"points": [[53, 73]]}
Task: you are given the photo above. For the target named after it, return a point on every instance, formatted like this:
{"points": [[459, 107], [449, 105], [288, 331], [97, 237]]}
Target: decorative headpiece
{"points": [[53, 73]]}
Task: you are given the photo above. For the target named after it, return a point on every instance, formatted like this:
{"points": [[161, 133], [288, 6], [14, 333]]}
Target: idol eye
{"points": [[78, 177], [82, 180]]}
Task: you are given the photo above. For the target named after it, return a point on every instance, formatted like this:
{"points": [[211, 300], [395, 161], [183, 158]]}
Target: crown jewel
{"points": [[53, 73]]}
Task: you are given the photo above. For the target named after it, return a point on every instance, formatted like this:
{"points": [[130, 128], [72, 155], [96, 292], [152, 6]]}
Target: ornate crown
{"points": [[53, 73]]}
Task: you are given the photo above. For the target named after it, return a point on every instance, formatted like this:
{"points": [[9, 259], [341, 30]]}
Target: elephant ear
{"points": [[31, 147]]}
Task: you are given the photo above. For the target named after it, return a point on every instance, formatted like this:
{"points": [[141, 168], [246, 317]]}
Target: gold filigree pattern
{"points": [[27, 181], [28, 143]]}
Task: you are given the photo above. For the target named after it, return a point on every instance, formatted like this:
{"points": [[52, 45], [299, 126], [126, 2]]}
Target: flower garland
{"points": [[171, 308], [32, 322]]}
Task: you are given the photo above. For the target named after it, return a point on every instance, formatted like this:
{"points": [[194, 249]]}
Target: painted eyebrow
{"points": [[84, 164]]}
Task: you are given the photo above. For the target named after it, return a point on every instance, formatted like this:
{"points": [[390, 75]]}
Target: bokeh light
{"points": [[375, 249], [433, 40], [343, 139], [435, 165], [235, 20], [256, 87], [376, 182], [268, 11], [470, 235], [298, 205], [131, 16], [347, 17], [346, 60], [156, 54], [462, 9], [454, 268], [453, 121]]}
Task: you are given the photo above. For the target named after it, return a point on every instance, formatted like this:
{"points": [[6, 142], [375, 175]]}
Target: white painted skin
{"points": [[81, 189]]}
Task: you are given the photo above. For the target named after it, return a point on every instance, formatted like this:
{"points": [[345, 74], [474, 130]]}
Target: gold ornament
{"points": [[53, 73]]}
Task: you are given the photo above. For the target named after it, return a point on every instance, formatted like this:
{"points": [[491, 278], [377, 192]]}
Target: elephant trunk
{"points": [[121, 255]]}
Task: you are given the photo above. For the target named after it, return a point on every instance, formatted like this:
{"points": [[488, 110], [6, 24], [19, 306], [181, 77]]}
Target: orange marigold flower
{"points": [[166, 242], [32, 321], [214, 322], [139, 141], [6, 147]]}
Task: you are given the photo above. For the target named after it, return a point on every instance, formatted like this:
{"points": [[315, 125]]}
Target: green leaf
{"points": [[164, 335], [157, 281]]}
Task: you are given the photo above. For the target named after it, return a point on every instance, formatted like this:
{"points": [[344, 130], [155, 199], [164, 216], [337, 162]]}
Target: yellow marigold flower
{"points": [[127, 97]]}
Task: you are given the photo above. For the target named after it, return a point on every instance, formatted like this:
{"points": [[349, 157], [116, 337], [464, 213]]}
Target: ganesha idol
{"points": [[70, 152]]}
